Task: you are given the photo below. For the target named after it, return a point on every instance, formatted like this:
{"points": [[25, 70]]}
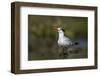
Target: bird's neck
{"points": [[61, 34]]}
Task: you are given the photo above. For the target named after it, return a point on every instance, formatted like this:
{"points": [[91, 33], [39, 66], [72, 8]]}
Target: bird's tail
{"points": [[76, 43]]}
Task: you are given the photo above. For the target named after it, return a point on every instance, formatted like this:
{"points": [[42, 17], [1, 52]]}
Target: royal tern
{"points": [[64, 41]]}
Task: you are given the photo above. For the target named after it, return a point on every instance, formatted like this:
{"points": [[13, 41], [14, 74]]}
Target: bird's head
{"points": [[60, 29]]}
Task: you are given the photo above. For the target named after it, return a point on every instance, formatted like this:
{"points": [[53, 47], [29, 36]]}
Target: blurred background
{"points": [[42, 39]]}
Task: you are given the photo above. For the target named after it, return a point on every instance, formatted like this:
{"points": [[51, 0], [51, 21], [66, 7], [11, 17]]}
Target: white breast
{"points": [[64, 41]]}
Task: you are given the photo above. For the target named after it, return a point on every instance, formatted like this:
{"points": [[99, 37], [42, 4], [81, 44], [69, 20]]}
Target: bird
{"points": [[64, 41]]}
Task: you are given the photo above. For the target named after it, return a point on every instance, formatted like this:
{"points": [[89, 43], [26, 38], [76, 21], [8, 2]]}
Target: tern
{"points": [[64, 41]]}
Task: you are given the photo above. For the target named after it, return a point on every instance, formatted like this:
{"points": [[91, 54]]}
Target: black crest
{"points": [[63, 30]]}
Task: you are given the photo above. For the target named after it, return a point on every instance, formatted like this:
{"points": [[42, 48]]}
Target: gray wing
{"points": [[67, 41]]}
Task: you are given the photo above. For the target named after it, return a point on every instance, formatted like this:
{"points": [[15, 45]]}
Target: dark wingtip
{"points": [[76, 43]]}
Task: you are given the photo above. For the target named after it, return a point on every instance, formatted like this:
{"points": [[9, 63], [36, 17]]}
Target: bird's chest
{"points": [[61, 42]]}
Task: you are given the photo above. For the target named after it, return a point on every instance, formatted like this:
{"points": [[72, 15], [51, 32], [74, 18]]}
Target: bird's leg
{"points": [[60, 51], [65, 52]]}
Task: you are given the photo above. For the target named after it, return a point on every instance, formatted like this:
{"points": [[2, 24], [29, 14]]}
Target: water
{"points": [[55, 52], [80, 50]]}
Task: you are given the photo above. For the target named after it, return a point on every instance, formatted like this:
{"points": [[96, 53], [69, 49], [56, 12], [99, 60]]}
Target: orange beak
{"points": [[55, 28]]}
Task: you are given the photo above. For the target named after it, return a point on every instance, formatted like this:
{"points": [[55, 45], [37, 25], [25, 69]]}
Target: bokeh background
{"points": [[42, 38]]}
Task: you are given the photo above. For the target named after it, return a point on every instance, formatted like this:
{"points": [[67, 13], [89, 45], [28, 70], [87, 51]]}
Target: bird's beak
{"points": [[55, 28]]}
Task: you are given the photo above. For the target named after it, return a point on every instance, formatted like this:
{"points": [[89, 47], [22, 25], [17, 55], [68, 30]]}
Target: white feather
{"points": [[63, 40]]}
